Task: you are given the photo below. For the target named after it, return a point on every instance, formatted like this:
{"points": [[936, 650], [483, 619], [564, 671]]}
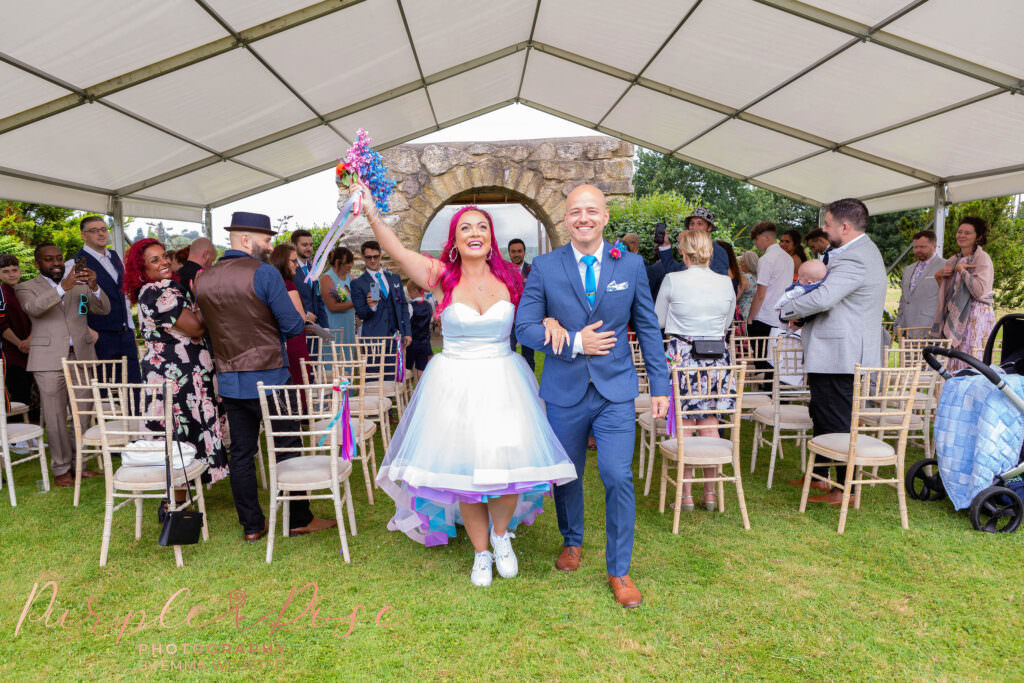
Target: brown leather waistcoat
{"points": [[242, 327]]}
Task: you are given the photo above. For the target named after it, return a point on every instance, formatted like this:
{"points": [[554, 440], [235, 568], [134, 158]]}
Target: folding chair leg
{"points": [[201, 500], [178, 561], [901, 497], [847, 487], [42, 464], [739, 495], [677, 508], [138, 516], [260, 472], [336, 497], [643, 451], [776, 447], [271, 526], [650, 464], [663, 486], [753, 448], [366, 477], [351, 510], [803, 450], [372, 449], [8, 473], [807, 482], [108, 518], [286, 522], [859, 476], [78, 475]]}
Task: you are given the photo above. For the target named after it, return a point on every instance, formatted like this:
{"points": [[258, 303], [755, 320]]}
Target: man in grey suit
{"points": [[847, 327], [920, 288]]}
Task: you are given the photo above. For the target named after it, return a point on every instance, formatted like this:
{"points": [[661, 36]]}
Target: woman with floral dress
{"points": [[175, 350]]}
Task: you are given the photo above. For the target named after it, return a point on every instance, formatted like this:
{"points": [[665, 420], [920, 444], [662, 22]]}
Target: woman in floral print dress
{"points": [[176, 350]]}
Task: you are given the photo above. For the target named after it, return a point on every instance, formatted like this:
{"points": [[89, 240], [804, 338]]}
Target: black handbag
{"points": [[180, 527], [708, 349]]}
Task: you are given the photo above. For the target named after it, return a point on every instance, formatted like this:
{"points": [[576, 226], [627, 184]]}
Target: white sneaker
{"points": [[504, 556], [481, 575]]}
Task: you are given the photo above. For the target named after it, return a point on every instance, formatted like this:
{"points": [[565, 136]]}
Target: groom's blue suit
{"points": [[587, 394]]}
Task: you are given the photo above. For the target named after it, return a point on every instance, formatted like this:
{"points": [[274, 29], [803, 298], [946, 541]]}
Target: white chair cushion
{"points": [[868, 447], [790, 416], [373, 405], [17, 408], [756, 400], [916, 421], [18, 431], [645, 419], [642, 403], [369, 428], [92, 434], [128, 476], [699, 450], [309, 471]]}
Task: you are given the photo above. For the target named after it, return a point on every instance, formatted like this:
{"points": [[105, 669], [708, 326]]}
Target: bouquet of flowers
{"points": [[364, 163]]}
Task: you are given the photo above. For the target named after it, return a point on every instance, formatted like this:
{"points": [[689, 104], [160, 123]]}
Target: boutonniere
{"points": [[616, 251]]}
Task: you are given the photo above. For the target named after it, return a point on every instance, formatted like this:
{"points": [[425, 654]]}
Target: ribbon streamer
{"points": [[344, 414], [670, 417], [399, 358], [334, 233]]}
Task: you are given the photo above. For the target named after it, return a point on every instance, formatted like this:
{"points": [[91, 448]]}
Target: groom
{"points": [[591, 384]]}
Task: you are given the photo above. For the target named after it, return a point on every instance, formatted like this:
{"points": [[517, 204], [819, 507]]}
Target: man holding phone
{"points": [[115, 330], [58, 302]]}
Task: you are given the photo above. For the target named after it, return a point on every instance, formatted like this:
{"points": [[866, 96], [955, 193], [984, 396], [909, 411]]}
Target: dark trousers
{"points": [[113, 344], [18, 382], [756, 328], [244, 420], [831, 409]]}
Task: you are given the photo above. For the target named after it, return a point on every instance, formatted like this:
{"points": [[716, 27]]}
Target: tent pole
{"points": [[940, 217], [208, 222], [117, 213], [821, 216]]}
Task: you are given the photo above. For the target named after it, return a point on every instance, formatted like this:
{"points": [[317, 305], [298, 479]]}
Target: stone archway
{"points": [[537, 173]]}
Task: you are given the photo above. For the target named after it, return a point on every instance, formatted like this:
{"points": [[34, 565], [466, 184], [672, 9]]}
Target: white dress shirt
{"points": [[775, 272], [577, 342]]}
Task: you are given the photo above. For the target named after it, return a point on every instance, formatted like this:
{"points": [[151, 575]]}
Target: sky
{"points": [[313, 200]]}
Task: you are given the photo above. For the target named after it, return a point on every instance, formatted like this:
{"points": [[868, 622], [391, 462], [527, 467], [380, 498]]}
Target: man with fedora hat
{"points": [[665, 262], [248, 315]]}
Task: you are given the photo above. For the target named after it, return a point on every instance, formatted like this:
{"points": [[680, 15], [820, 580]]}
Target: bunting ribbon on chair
{"points": [[399, 358], [343, 414], [670, 417]]}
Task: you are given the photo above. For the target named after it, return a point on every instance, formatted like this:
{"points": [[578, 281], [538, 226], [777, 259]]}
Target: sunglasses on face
{"points": [[83, 304]]}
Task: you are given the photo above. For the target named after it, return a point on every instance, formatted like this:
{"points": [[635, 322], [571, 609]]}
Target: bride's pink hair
{"points": [[506, 272]]}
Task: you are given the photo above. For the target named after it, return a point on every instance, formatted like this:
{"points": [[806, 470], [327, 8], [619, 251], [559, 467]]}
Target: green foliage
{"points": [[639, 215], [9, 244], [317, 231], [34, 224]]}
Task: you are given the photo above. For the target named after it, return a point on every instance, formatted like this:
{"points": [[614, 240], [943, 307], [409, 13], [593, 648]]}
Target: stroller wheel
{"points": [[923, 482], [997, 510]]}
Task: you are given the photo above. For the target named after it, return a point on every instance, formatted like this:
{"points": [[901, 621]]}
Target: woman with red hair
{"points": [[474, 445], [175, 350]]}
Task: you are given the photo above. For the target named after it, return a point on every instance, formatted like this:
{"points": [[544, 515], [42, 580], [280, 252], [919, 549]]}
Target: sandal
{"points": [[710, 502]]}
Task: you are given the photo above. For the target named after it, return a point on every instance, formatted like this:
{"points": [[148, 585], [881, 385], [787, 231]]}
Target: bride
{"points": [[474, 445]]}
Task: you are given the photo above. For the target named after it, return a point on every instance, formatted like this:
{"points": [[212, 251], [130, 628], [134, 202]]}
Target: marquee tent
{"points": [[167, 108]]}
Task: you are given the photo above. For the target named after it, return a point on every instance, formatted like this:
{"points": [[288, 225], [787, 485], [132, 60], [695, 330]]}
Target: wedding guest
{"points": [[180, 258], [421, 313], [790, 242], [702, 219], [919, 297], [336, 290], [380, 302], [817, 240], [58, 302], [248, 313], [284, 258], [517, 255], [964, 312], [845, 330], [697, 303], [775, 271], [632, 242], [175, 350], [201, 254], [116, 329], [748, 266], [16, 332], [312, 302]]}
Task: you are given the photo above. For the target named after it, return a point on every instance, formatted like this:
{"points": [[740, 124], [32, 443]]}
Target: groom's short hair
{"points": [[369, 244]]}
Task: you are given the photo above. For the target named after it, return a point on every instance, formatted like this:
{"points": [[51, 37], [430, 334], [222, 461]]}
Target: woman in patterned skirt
{"points": [[175, 350]]}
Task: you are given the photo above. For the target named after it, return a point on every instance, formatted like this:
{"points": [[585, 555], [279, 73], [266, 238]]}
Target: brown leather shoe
{"points": [[89, 474], [833, 497], [252, 538], [815, 484], [64, 480], [569, 559], [626, 593], [316, 524]]}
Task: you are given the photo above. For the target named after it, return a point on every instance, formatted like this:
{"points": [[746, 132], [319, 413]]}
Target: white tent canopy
{"points": [[167, 108]]}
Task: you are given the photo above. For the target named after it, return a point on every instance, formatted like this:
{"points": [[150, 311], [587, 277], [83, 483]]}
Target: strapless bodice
{"points": [[468, 334]]}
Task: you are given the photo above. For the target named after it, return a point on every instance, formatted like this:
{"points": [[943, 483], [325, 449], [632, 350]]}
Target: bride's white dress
{"points": [[474, 429]]}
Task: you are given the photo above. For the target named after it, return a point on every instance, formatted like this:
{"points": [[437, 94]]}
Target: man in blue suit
{"points": [[589, 385], [115, 330], [379, 300], [316, 309]]}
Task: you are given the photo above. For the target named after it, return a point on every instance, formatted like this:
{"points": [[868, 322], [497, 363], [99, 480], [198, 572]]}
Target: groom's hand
{"points": [[597, 343], [659, 406]]}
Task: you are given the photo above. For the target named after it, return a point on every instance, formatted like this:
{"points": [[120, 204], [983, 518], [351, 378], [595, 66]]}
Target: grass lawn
{"points": [[787, 600]]}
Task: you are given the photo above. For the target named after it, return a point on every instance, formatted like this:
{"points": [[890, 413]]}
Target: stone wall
{"points": [[538, 173]]}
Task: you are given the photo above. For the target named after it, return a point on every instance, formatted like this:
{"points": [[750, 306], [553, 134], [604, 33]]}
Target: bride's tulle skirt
{"points": [[473, 430]]}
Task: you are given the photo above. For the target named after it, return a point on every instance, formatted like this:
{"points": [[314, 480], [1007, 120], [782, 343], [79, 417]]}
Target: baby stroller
{"points": [[999, 508]]}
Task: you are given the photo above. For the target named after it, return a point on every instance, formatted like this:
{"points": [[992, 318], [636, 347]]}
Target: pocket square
{"points": [[614, 286]]}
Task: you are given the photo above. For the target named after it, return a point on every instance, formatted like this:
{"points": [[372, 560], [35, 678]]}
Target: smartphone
{"points": [[80, 264], [375, 290], [659, 233]]}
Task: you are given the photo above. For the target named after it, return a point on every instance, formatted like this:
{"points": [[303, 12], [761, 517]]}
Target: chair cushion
{"points": [[373, 405], [916, 421], [129, 476], [645, 419], [92, 434], [17, 408], [309, 470], [19, 431], [369, 428], [642, 403], [868, 447], [756, 400], [699, 450], [790, 416]]}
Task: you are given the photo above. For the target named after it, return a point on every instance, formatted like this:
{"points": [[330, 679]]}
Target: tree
{"points": [[640, 214]]}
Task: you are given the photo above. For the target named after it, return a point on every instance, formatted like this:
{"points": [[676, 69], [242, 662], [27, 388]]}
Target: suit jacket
{"points": [[55, 319], [310, 295], [917, 308], [392, 314], [849, 303], [115, 320], [554, 289]]}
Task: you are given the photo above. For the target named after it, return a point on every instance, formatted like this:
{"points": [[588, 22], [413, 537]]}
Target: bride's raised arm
{"points": [[423, 270]]}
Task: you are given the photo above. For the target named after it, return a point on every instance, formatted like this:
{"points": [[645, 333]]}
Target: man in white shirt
{"points": [[114, 330], [774, 275]]}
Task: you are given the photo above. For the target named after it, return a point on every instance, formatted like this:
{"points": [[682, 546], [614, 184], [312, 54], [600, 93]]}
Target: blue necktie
{"points": [[383, 287], [590, 282]]}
